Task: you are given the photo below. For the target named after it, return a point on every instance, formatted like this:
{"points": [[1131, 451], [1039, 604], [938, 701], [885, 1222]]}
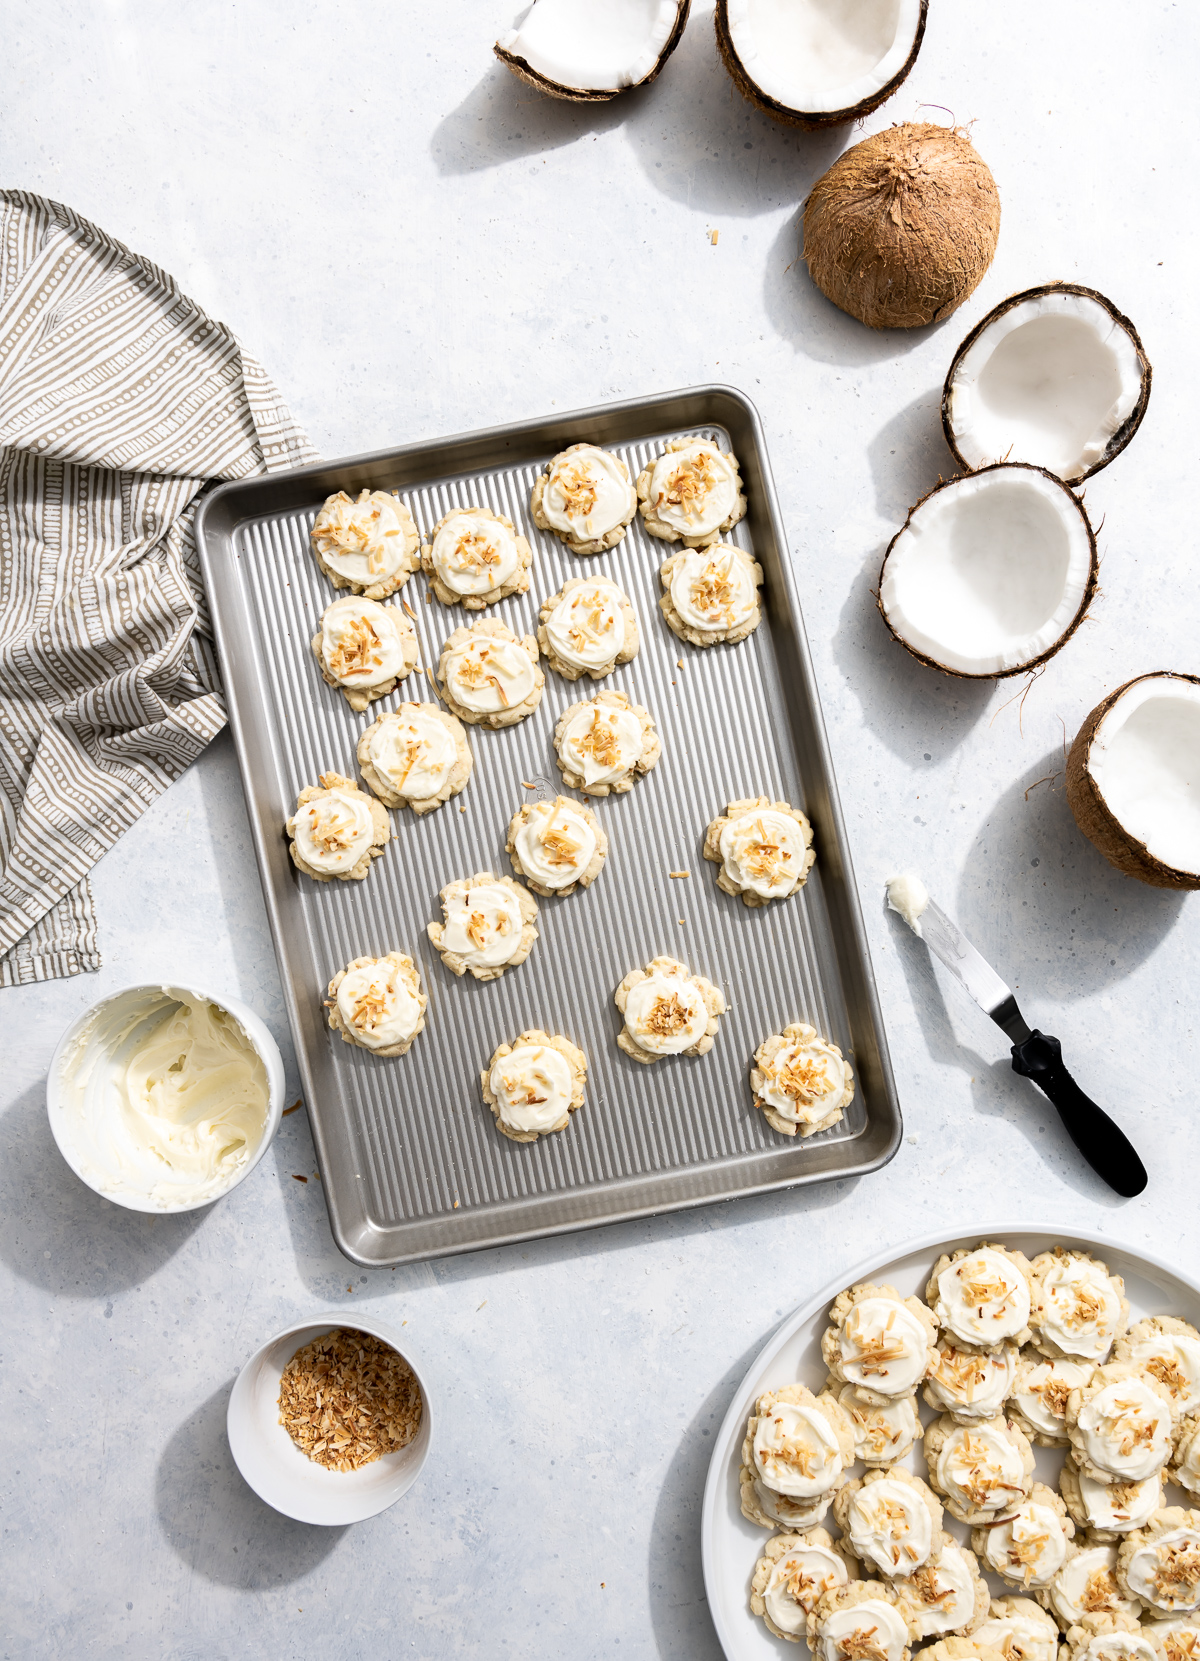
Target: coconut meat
{"points": [[1144, 760], [822, 55], [1049, 382], [989, 573], [593, 47]]}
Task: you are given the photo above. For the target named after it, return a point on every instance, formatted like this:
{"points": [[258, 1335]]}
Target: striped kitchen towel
{"points": [[119, 399]]}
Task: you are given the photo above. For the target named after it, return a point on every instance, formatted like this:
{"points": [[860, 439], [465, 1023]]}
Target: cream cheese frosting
{"points": [[981, 1468], [1079, 1306], [588, 494], [804, 1080], [712, 588], [1041, 1390], [474, 553], [1176, 1638], [666, 1014], [795, 1450], [365, 541], [1020, 1636], [881, 1434], [486, 674], [763, 852], [586, 629], [413, 751], [787, 1511], [972, 1384], [1086, 1585], [377, 1006], [361, 642], [693, 489], [797, 1580], [982, 1298], [942, 1593], [334, 830], [555, 844], [1164, 1571], [1116, 1646], [1174, 1359], [1028, 1548], [845, 1634], [533, 1086], [890, 1525], [601, 743], [483, 925], [1119, 1506], [1126, 1429], [884, 1347]]}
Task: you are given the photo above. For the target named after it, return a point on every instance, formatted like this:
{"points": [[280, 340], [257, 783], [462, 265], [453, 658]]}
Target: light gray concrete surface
{"points": [[414, 243]]}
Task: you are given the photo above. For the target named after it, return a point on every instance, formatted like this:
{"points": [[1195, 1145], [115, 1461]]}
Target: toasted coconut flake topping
{"points": [[346, 1398], [1100, 1593], [799, 1076], [713, 591], [981, 1476], [925, 1583], [355, 653], [473, 552], [1177, 1575], [1054, 1393], [578, 490], [985, 1288], [863, 1645], [668, 1016], [688, 486], [600, 741]]}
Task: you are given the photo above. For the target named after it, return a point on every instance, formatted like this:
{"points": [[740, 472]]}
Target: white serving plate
{"points": [[731, 1546]]}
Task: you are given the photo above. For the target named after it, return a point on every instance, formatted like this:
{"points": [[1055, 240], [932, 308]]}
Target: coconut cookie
{"points": [[711, 594], [1087, 1585], [488, 926], [1078, 1308], [1120, 1424], [1030, 1546], [336, 830], [1160, 1564], [476, 557], [1020, 1629], [970, 1384], [415, 756], [585, 498], [1168, 1349], [882, 1434], [364, 648], [879, 1342], [983, 1296], [368, 545], [606, 745], [801, 1083], [1177, 1639], [489, 677], [790, 1577], [983, 1471], [891, 1521], [1108, 1509], [1108, 1638], [556, 846], [762, 849], [534, 1085], [959, 1649], [377, 1003], [1040, 1391], [668, 1011], [794, 1457], [692, 493], [587, 628], [947, 1594], [865, 1620], [1185, 1457]]}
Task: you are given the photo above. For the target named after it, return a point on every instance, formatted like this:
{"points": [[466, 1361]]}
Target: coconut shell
{"points": [[902, 227], [1132, 421], [586, 95], [810, 120], [1094, 816]]}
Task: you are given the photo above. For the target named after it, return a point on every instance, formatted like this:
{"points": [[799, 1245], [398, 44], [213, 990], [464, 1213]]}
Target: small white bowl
{"points": [[284, 1476], [87, 1042]]}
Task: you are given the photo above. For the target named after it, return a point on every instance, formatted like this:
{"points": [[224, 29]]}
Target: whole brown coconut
{"points": [[903, 226]]}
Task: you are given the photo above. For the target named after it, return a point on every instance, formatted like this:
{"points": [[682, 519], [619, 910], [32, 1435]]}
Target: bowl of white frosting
{"points": [[163, 1098]]}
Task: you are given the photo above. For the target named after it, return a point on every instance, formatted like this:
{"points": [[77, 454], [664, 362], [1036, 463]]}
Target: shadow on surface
{"points": [[216, 1524], [908, 456], [503, 120]]}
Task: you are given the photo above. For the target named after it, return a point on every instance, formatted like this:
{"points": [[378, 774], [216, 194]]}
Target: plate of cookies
{"points": [[976, 1449]]}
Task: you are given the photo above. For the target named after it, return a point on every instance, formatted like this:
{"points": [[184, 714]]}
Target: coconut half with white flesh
{"points": [[1133, 779], [819, 63], [588, 51], [991, 574], [1055, 375]]}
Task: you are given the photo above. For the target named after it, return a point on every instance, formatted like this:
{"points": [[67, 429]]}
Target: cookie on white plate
{"points": [[879, 1342], [791, 1576], [1078, 1308], [981, 1470], [983, 1296], [1029, 1545]]}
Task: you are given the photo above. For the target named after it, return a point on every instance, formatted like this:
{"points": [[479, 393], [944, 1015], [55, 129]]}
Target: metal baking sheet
{"points": [[411, 1163]]}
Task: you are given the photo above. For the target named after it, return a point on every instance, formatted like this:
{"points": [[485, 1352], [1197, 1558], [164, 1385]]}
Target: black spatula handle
{"points": [[1103, 1144]]}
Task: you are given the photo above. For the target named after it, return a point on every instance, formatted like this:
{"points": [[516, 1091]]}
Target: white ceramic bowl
{"points": [[276, 1468], [85, 1043]]}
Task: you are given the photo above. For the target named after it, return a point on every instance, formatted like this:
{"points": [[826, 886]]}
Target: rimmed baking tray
{"points": [[412, 1165]]}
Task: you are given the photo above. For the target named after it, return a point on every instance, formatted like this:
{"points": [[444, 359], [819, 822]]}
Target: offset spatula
{"points": [[1102, 1143]]}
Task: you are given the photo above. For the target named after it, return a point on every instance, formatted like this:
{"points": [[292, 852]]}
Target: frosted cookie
{"points": [[415, 756], [1040, 1391], [1107, 1638], [1020, 1629], [1078, 1308], [1120, 1424], [968, 1383], [982, 1296], [1184, 1467], [762, 850], [879, 1342], [587, 628], [982, 1471], [1176, 1639], [790, 1577], [604, 746], [959, 1649], [1168, 1349], [488, 926], [489, 677], [1160, 1564], [668, 1011], [476, 557], [336, 830], [802, 1083], [368, 545], [556, 846], [1108, 1509], [890, 1520], [865, 1620], [1030, 1546], [711, 594], [364, 648], [692, 493], [1087, 1585], [585, 498], [796, 1449], [947, 1595], [534, 1085], [377, 1003], [883, 1434]]}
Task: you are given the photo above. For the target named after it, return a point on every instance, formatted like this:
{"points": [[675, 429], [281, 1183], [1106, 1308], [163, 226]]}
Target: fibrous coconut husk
{"points": [[1094, 816], [902, 227], [587, 95]]}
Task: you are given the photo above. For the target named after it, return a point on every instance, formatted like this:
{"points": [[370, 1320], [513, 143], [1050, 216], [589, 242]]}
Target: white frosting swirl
{"points": [[873, 1620], [884, 1347], [795, 1449], [335, 830], [361, 642], [555, 844], [1119, 1506], [588, 494], [1080, 1307], [665, 1014], [472, 554], [788, 1511], [1117, 1646], [483, 925], [364, 541], [797, 1580], [1174, 1359], [694, 488], [532, 1086], [1126, 1429], [972, 1383], [763, 852], [1086, 1584], [803, 1081], [981, 1469], [1029, 1548], [889, 1524], [983, 1298], [601, 743], [881, 1434], [1020, 1637], [377, 1005], [1179, 1637], [1165, 1571], [943, 1600], [713, 588], [413, 751], [1041, 1393], [485, 674], [586, 629]]}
